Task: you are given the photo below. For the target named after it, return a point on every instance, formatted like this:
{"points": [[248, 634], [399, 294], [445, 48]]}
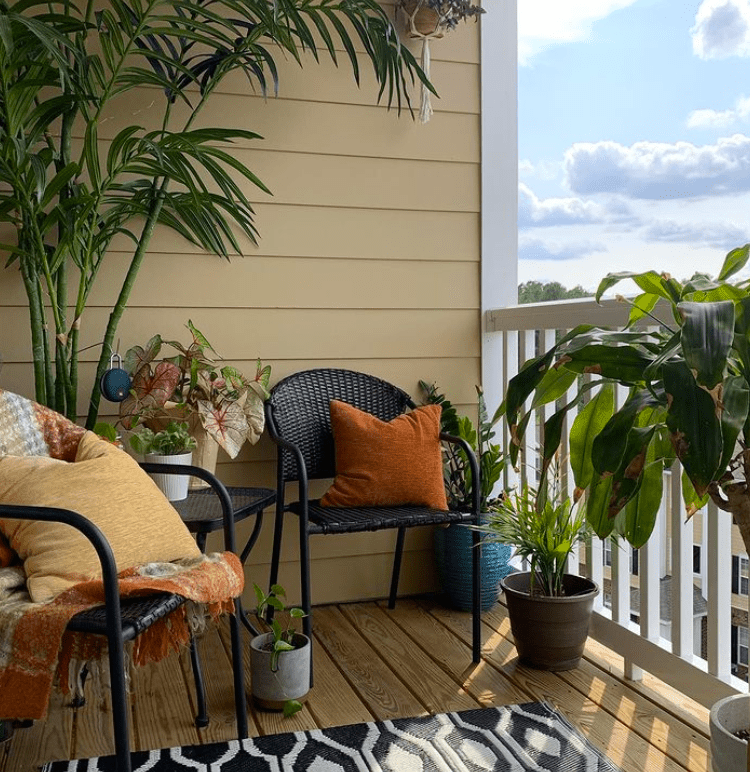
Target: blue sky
{"points": [[634, 136]]}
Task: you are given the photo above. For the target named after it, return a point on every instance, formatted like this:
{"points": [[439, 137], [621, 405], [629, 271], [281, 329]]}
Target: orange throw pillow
{"points": [[386, 463]]}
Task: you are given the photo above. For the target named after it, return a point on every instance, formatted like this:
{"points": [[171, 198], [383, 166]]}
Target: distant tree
{"points": [[542, 292]]}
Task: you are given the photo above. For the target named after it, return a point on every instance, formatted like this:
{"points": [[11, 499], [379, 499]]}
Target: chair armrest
{"points": [[93, 533], [298, 457], [473, 464], [230, 542]]}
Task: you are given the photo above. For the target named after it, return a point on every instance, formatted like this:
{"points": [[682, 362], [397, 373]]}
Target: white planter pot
{"points": [[291, 679], [173, 486], [729, 753]]}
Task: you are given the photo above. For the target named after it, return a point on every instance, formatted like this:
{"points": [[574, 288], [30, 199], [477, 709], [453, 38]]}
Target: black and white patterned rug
{"points": [[515, 738]]}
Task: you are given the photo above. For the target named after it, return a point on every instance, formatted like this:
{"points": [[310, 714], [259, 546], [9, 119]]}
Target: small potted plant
{"points": [[279, 659], [453, 543], [171, 445], [549, 609], [221, 406]]}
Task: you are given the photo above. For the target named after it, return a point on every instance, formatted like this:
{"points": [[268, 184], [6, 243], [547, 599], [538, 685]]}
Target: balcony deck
{"points": [[372, 663]]}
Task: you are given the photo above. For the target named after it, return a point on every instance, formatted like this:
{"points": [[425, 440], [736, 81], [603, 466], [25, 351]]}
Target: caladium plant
{"points": [[228, 405], [684, 357]]}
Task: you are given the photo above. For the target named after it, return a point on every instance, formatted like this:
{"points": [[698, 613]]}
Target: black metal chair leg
{"points": [[476, 596], [396, 567], [304, 569], [278, 528], [239, 672], [119, 704], [201, 715]]}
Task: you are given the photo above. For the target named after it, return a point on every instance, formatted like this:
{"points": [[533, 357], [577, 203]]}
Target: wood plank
{"points": [[330, 128], [164, 715], [318, 283], [93, 731], [408, 659], [646, 718], [612, 737], [382, 691], [47, 740], [484, 683], [285, 333], [219, 683], [332, 700]]}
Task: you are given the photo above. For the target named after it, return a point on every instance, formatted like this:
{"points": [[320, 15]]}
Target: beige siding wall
{"points": [[368, 259]]}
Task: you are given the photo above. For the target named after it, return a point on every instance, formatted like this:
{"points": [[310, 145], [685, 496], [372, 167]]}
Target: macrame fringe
{"points": [[425, 110]]}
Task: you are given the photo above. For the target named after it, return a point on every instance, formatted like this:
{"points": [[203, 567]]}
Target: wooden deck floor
{"points": [[372, 663]]}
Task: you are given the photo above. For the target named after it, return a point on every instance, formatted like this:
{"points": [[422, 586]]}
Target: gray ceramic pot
{"points": [[728, 752], [291, 678]]}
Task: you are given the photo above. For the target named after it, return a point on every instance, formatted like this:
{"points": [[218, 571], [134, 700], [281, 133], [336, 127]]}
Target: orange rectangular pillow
{"points": [[386, 463]]}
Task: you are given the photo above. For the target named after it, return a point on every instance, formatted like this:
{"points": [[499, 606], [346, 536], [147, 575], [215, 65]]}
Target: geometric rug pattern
{"points": [[511, 738]]}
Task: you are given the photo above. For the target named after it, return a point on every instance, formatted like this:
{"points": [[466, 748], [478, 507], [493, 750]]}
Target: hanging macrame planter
{"points": [[425, 24]]}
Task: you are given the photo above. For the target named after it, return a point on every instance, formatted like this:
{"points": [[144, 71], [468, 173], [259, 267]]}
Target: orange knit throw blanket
{"points": [[35, 646]]}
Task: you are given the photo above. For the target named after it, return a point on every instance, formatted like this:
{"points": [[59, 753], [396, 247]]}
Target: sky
{"points": [[634, 137]]}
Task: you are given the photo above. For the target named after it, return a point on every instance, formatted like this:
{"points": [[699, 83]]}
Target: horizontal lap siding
{"points": [[368, 258]]}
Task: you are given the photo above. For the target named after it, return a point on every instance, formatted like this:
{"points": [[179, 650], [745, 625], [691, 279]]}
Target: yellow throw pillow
{"points": [[109, 488], [386, 463]]}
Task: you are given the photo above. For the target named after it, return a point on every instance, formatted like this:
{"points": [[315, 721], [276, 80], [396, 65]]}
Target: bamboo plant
{"points": [[684, 357], [64, 68]]}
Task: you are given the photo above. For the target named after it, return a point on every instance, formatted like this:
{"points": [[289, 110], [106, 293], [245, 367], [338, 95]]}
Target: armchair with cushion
{"points": [[106, 560], [385, 462]]}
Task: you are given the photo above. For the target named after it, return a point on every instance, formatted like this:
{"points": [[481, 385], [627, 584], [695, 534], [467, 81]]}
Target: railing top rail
{"points": [[560, 314]]}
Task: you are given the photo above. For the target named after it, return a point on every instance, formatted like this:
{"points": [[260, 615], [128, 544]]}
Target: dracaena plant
{"points": [[66, 67], [228, 405], [684, 357]]}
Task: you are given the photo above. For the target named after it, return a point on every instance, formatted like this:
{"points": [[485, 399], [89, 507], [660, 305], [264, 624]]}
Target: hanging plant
{"points": [[429, 20]]}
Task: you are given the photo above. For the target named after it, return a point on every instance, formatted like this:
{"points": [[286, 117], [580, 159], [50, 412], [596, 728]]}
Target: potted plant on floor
{"points": [[221, 406], [688, 381], [279, 659], [549, 609], [172, 445], [453, 543]]}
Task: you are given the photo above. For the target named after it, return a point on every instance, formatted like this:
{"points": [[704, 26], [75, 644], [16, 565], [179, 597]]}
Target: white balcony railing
{"points": [[644, 645]]}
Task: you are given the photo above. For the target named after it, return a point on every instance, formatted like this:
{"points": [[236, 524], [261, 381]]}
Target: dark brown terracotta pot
{"points": [[550, 633]]}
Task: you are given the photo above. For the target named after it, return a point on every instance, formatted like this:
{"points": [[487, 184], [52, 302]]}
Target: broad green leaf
{"points": [[706, 336], [552, 386], [735, 400], [622, 363], [642, 306], [597, 507], [586, 426], [694, 429], [627, 478], [648, 281], [641, 511], [735, 261], [693, 502]]}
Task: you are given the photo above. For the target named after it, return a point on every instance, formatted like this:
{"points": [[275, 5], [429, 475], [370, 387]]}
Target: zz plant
{"points": [[684, 356], [68, 189]]}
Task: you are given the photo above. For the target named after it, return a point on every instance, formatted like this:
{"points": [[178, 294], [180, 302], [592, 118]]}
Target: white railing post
{"points": [[719, 591], [682, 570]]}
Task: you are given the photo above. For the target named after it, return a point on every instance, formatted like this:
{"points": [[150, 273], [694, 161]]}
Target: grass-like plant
{"points": [[543, 526]]}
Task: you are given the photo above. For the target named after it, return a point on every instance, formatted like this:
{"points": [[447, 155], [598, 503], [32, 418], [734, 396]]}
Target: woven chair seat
{"points": [[137, 615], [328, 520]]}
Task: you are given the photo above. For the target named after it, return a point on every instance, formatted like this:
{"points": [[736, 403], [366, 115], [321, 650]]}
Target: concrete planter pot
{"points": [[291, 678], [173, 486], [549, 633], [728, 752]]}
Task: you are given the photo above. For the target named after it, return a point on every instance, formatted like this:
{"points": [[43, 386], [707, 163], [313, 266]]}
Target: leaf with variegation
{"points": [[226, 424]]}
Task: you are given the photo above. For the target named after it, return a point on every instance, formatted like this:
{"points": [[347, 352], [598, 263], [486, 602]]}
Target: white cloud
{"points": [[533, 211], [657, 170], [716, 235], [536, 249], [543, 23], [720, 119], [722, 29]]}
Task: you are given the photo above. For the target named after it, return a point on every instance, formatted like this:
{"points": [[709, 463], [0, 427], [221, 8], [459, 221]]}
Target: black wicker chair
{"points": [[299, 422], [123, 620]]}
